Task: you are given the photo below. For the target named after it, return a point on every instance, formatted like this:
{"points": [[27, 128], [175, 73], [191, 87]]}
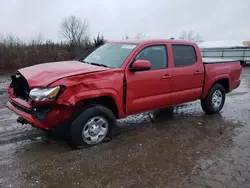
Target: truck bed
{"points": [[227, 69], [217, 60]]}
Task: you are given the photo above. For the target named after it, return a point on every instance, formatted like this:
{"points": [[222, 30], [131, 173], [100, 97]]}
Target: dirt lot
{"points": [[175, 147]]}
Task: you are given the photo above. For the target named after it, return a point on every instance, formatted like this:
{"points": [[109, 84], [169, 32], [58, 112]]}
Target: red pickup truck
{"points": [[118, 79]]}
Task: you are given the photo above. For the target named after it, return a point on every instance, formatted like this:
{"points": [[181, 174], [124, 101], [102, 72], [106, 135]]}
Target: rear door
{"points": [[188, 74], [150, 89]]}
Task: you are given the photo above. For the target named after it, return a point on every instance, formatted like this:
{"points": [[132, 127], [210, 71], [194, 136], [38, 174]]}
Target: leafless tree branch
{"points": [[74, 29], [191, 36]]}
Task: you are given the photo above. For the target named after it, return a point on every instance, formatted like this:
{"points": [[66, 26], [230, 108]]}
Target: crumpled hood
{"points": [[42, 75]]}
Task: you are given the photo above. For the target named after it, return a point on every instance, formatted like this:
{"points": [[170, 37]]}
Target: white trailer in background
{"points": [[226, 50]]}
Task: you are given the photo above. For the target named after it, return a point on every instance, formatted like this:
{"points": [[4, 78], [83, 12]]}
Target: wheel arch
{"points": [[106, 101], [224, 81], [106, 97]]}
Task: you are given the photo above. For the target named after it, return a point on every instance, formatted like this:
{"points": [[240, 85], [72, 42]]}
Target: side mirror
{"points": [[140, 65]]}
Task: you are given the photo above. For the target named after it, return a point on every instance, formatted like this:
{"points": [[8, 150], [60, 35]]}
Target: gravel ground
{"points": [[174, 147]]}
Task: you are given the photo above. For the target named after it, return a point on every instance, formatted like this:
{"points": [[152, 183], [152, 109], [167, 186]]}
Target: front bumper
{"points": [[56, 115], [32, 121]]}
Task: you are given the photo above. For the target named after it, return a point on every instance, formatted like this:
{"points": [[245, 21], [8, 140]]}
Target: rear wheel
{"points": [[215, 100], [92, 126]]}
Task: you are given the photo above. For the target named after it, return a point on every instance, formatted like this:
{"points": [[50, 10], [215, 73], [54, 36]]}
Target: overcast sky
{"points": [[213, 19]]}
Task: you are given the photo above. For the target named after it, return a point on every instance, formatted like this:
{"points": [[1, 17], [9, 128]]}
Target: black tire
{"points": [[207, 103], [203, 106], [76, 139]]}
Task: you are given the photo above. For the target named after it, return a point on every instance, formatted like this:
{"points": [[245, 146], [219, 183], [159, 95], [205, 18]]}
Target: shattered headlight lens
{"points": [[43, 94]]}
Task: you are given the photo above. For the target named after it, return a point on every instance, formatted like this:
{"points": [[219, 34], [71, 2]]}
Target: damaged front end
{"points": [[36, 106], [20, 86], [38, 111]]}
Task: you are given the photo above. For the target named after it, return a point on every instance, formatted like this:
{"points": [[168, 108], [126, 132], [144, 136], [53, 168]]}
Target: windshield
{"points": [[110, 54]]}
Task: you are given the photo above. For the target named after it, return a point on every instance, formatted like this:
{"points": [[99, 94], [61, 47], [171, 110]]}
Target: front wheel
{"points": [[92, 126], [215, 100]]}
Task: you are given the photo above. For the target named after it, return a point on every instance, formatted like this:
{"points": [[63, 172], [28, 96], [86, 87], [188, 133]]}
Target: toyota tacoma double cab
{"points": [[118, 79]]}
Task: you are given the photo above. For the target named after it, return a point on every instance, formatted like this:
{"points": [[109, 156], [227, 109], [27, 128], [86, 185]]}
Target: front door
{"points": [[150, 89]]}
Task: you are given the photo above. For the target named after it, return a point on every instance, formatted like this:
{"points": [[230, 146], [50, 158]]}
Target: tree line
{"points": [[16, 54]]}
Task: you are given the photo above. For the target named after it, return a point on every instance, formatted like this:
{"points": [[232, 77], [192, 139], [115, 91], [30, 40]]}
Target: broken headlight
{"points": [[43, 94]]}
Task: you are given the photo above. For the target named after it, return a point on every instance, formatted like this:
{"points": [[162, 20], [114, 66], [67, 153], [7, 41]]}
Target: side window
{"points": [[156, 55], [184, 55]]}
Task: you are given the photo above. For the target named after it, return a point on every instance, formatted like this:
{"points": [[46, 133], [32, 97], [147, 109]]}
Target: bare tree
{"points": [[99, 40], [11, 40], [1, 38], [191, 36], [137, 36], [125, 38], [74, 29], [38, 40], [141, 36]]}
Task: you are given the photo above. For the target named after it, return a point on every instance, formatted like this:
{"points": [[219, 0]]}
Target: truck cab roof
{"points": [[149, 41]]}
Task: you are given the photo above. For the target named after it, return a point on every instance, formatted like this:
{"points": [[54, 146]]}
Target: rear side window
{"points": [[184, 55]]}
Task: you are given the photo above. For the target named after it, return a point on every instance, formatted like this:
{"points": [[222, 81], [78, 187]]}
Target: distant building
{"points": [[230, 49], [246, 43]]}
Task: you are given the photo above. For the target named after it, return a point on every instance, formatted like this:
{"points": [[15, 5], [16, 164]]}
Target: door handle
{"points": [[197, 72], [166, 76]]}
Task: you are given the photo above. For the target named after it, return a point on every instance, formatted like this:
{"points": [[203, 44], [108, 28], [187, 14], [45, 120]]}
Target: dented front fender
{"points": [[93, 85]]}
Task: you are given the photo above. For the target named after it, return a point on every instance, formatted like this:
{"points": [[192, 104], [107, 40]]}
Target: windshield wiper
{"points": [[85, 62], [97, 64]]}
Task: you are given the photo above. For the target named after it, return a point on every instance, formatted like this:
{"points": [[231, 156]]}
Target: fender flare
{"points": [[213, 81], [77, 97]]}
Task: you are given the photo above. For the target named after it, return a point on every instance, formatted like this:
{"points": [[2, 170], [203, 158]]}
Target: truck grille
{"points": [[20, 86]]}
